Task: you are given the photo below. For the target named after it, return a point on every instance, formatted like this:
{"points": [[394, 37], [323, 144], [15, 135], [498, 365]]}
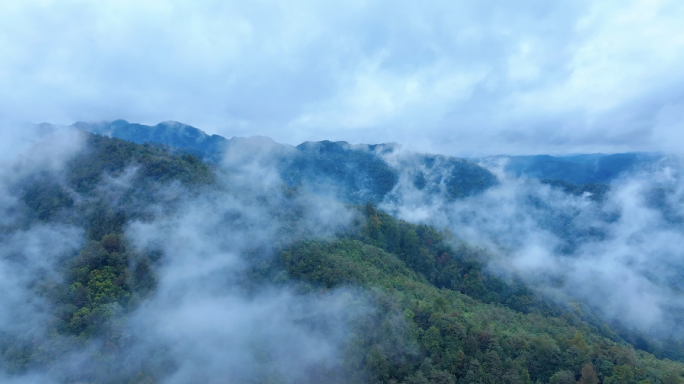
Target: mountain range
{"points": [[363, 171], [132, 254]]}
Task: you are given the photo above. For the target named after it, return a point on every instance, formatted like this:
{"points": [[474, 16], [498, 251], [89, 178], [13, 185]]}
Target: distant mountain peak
{"points": [[181, 136], [578, 168], [360, 172]]}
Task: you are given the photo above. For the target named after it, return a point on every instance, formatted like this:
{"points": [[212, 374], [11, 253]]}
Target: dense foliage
{"points": [[104, 281], [182, 138], [353, 173], [595, 191], [436, 314], [579, 169], [441, 319]]}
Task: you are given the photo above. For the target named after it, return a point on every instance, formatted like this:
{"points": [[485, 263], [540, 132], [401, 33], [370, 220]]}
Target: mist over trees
{"points": [[254, 262]]}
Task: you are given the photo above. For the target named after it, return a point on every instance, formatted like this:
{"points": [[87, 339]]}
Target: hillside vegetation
{"points": [[431, 312], [441, 319]]}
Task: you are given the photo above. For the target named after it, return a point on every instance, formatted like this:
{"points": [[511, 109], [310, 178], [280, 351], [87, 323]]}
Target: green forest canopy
{"points": [[438, 316]]}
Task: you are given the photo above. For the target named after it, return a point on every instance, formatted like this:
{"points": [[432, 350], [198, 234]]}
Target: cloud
{"points": [[31, 255], [620, 256], [450, 77], [206, 319], [229, 336], [212, 326], [28, 150], [29, 259]]}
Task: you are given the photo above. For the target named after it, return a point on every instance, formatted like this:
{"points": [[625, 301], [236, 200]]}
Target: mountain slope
{"points": [[176, 271], [578, 169], [442, 319], [355, 173], [177, 135]]}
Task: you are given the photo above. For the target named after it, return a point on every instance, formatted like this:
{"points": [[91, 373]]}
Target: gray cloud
{"points": [[450, 77], [214, 329], [28, 259], [621, 256], [206, 320], [31, 255]]}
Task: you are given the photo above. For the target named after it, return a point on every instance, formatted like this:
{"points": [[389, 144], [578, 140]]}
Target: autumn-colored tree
{"points": [[589, 375]]}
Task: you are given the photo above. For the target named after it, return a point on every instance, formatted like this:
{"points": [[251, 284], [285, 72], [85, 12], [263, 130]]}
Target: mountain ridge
{"points": [[158, 242], [361, 172], [577, 169]]}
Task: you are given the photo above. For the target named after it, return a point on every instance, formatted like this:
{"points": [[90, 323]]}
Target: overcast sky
{"points": [[454, 77]]}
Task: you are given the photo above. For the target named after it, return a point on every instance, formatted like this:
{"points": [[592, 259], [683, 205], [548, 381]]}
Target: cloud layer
{"points": [[452, 77], [620, 255], [207, 319]]}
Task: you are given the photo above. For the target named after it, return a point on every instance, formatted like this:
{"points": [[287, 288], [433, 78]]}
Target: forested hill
{"points": [[130, 264], [458, 322], [594, 168], [578, 169], [354, 173], [176, 135]]}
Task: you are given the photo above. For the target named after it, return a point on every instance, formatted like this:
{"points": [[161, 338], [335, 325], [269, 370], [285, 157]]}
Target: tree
{"points": [[418, 378], [432, 340], [624, 374], [589, 375], [562, 377], [442, 377]]}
